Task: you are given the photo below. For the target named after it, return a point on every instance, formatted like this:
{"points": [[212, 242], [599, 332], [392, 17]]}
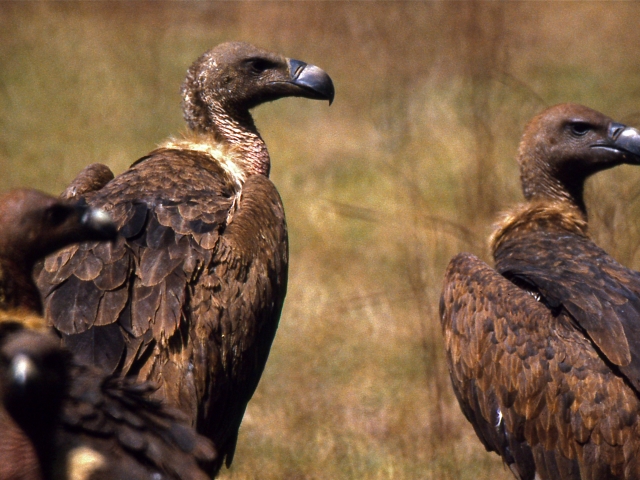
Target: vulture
{"points": [[61, 419], [190, 294], [544, 349]]}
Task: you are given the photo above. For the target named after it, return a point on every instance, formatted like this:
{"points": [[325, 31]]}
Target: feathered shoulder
{"points": [[539, 216]]}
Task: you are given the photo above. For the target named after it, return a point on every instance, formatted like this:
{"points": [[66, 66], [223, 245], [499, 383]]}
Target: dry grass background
{"points": [[410, 165]]}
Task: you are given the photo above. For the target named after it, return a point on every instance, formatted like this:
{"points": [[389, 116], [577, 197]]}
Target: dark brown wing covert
{"points": [[139, 282], [92, 178], [136, 435], [570, 272], [534, 388], [189, 296]]}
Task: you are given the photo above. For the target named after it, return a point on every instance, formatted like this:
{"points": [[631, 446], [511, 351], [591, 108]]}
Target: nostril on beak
{"points": [[615, 129], [296, 67]]}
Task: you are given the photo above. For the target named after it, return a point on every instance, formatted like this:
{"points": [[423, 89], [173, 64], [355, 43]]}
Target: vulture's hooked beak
{"points": [[624, 140], [313, 80], [97, 221]]}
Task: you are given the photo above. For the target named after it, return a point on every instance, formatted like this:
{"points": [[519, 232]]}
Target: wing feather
{"points": [[89, 269], [194, 300], [75, 306], [156, 265], [109, 252], [144, 305], [69, 267], [102, 346], [54, 263], [111, 304], [543, 379], [92, 178], [601, 295], [169, 313], [113, 275]]}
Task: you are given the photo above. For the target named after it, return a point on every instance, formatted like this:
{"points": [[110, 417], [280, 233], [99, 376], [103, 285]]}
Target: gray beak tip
{"points": [[313, 79], [100, 222]]}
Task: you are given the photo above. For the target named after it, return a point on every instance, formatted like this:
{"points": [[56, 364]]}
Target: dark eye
{"points": [[579, 129], [56, 214], [259, 65]]}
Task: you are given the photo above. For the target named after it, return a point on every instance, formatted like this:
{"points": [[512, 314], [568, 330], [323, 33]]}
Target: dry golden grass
{"points": [[409, 166]]}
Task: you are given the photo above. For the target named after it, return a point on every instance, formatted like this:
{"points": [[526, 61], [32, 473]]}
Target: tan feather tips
{"points": [[228, 157], [22, 318], [539, 216]]}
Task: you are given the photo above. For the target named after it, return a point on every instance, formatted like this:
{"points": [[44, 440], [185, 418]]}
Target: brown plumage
{"points": [[33, 225], [93, 177], [60, 419], [544, 350], [85, 424], [191, 295]]}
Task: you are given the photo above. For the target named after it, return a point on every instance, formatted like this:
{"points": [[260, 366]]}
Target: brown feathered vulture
{"points": [[544, 350], [60, 419], [191, 294], [79, 423]]}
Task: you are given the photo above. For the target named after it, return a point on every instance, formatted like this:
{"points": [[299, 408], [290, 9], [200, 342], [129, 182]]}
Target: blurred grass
{"points": [[410, 165]]}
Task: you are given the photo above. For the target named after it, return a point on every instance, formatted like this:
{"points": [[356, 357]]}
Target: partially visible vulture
{"points": [[191, 293], [60, 419], [544, 350], [64, 420]]}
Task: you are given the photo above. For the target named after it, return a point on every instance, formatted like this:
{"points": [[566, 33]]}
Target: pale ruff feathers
{"points": [[226, 157], [83, 462]]}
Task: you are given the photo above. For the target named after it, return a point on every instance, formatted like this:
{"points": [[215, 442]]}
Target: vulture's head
{"points": [[33, 379], [34, 225], [34, 368], [234, 77], [567, 143]]}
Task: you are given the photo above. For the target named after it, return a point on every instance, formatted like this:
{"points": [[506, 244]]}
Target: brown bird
{"points": [[33, 225], [191, 294], [544, 350], [82, 423], [60, 419]]}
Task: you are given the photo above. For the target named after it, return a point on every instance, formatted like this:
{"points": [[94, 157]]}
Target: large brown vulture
{"points": [[60, 419], [544, 350], [191, 295]]}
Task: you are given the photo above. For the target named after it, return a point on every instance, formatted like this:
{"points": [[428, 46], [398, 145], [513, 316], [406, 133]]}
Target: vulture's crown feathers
{"points": [[567, 143]]}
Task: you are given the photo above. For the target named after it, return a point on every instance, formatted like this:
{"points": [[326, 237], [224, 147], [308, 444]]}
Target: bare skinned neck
{"points": [[240, 133]]}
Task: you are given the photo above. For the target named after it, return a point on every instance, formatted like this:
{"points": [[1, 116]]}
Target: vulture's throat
{"points": [[239, 132]]}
